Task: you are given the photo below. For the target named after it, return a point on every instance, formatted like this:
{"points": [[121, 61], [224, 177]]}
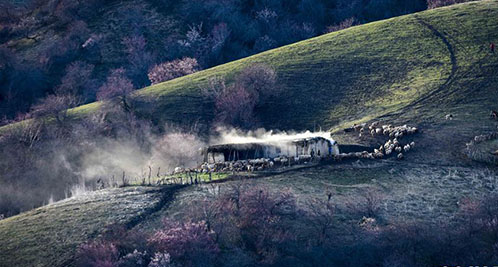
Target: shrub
{"points": [[259, 80], [173, 69], [252, 219], [191, 244], [431, 4], [54, 105], [235, 107], [343, 25], [161, 260], [117, 85], [235, 104], [97, 254], [139, 59], [77, 80]]}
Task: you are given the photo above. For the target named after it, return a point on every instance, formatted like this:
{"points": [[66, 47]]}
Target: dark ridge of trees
{"points": [[43, 38]]}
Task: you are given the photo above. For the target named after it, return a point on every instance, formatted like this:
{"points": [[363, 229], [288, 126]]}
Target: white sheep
{"points": [[378, 131], [398, 149], [412, 145], [449, 116], [400, 156], [406, 148], [379, 155]]}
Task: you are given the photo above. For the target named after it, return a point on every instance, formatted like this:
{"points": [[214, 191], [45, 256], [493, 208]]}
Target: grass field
{"points": [[49, 236], [412, 70]]}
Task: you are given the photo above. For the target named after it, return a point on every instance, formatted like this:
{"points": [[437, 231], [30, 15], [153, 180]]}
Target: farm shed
{"points": [[312, 146]]}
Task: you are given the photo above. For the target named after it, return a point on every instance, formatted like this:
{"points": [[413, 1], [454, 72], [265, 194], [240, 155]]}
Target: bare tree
{"points": [[139, 58], [431, 4], [235, 104], [55, 106], [259, 80], [343, 25], [235, 107], [116, 85], [215, 88], [368, 203], [321, 218], [219, 36], [77, 79], [173, 69]]}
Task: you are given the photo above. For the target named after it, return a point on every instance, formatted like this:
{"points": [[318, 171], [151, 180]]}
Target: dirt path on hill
{"points": [[454, 64]]}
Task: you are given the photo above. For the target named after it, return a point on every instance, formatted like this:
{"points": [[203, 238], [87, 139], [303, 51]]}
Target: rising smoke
{"points": [[58, 168], [236, 136]]}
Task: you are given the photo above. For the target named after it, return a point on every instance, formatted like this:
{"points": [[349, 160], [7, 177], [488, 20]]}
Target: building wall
{"points": [[288, 149]]}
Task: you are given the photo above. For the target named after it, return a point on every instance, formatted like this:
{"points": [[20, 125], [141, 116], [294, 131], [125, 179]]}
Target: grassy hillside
{"points": [[389, 67], [49, 236]]}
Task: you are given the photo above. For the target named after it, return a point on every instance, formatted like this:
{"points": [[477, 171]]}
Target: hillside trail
{"points": [[454, 67]]}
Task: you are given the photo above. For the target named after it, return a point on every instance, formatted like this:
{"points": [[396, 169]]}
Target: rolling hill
{"points": [[439, 57], [413, 69]]}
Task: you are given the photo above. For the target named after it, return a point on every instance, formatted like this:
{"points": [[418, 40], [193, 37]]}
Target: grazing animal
{"points": [[449, 117], [357, 127], [406, 148], [400, 156], [494, 114]]}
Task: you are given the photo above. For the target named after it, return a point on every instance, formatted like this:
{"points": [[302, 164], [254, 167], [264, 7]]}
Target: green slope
{"points": [[50, 235], [438, 56]]}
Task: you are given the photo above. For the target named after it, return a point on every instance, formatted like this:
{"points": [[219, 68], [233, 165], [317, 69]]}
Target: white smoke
{"points": [[235, 136]]}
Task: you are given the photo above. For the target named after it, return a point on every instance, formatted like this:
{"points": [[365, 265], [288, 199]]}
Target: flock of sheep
{"points": [[393, 144], [391, 147], [252, 164], [237, 166]]}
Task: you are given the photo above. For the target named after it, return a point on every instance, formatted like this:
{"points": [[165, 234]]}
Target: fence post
{"points": [[124, 179]]}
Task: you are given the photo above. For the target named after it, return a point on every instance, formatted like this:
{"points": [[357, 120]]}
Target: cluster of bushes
{"points": [[251, 226], [50, 45]]}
